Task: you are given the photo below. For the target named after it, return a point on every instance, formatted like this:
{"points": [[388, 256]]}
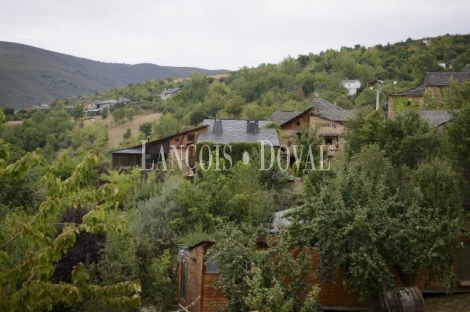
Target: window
{"points": [[177, 139], [184, 279], [190, 137], [298, 123], [328, 141], [211, 264], [212, 267]]}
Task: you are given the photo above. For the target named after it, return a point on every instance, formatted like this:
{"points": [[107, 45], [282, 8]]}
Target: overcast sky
{"points": [[221, 34]]}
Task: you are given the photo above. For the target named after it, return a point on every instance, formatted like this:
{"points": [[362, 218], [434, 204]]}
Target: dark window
{"points": [[298, 123], [328, 141], [190, 137], [177, 139], [212, 267], [184, 279]]}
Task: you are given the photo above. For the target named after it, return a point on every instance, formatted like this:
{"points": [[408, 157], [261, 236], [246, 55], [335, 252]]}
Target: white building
{"points": [[352, 86]]}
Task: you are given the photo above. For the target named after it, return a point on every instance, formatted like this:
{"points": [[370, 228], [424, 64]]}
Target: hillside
{"points": [[29, 75], [116, 130]]}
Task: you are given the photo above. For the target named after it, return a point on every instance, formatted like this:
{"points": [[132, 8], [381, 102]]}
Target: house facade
{"points": [[197, 273], [432, 89], [170, 152], [352, 86], [328, 118]]}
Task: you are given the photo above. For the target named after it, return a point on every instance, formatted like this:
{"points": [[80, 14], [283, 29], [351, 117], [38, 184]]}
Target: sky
{"points": [[221, 34]]}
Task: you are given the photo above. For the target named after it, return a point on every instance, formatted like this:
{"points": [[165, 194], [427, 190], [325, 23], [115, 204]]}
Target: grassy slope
{"points": [[116, 131], [29, 75]]}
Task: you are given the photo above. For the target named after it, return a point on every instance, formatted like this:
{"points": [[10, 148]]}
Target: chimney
{"points": [[252, 127], [217, 129]]}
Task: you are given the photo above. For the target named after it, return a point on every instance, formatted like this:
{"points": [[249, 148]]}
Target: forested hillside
{"points": [[254, 93], [29, 75]]}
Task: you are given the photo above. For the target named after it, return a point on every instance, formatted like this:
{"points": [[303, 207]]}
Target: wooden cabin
{"points": [[169, 150], [196, 292]]}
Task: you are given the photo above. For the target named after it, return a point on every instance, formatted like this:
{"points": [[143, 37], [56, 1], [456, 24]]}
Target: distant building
{"points": [[432, 87], [352, 86], [40, 106], [168, 93]]}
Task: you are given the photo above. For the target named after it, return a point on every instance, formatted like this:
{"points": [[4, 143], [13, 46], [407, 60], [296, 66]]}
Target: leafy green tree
{"points": [[105, 113], [118, 114], [166, 125], [77, 112], [27, 284], [255, 279], [127, 134], [406, 139], [146, 128], [8, 111], [372, 224]]}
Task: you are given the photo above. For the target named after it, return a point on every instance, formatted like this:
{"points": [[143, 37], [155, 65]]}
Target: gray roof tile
{"points": [[337, 115], [418, 91], [283, 117], [435, 118], [234, 131], [442, 78], [321, 104]]}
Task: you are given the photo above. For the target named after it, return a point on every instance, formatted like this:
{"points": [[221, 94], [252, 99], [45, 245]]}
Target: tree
{"points": [[146, 128], [406, 139], [372, 223], [127, 134], [166, 125], [77, 112], [255, 279], [8, 111], [104, 113], [26, 285]]}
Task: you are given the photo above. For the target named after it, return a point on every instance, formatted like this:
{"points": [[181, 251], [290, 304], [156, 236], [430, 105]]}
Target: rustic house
{"points": [[197, 273], [172, 149], [329, 118], [432, 89]]}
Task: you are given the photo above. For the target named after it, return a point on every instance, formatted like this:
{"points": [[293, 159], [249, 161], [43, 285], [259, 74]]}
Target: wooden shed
{"points": [[167, 149], [196, 292]]}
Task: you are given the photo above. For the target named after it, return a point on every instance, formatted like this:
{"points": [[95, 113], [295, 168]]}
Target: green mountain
{"points": [[29, 75]]}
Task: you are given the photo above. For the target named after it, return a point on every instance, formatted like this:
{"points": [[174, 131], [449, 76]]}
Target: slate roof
{"points": [[418, 91], [337, 115], [133, 151], [170, 91], [235, 131], [283, 117], [442, 78], [435, 118], [321, 104]]}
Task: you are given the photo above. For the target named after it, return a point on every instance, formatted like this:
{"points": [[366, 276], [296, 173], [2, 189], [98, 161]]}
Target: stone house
{"points": [[327, 117], [432, 89]]}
